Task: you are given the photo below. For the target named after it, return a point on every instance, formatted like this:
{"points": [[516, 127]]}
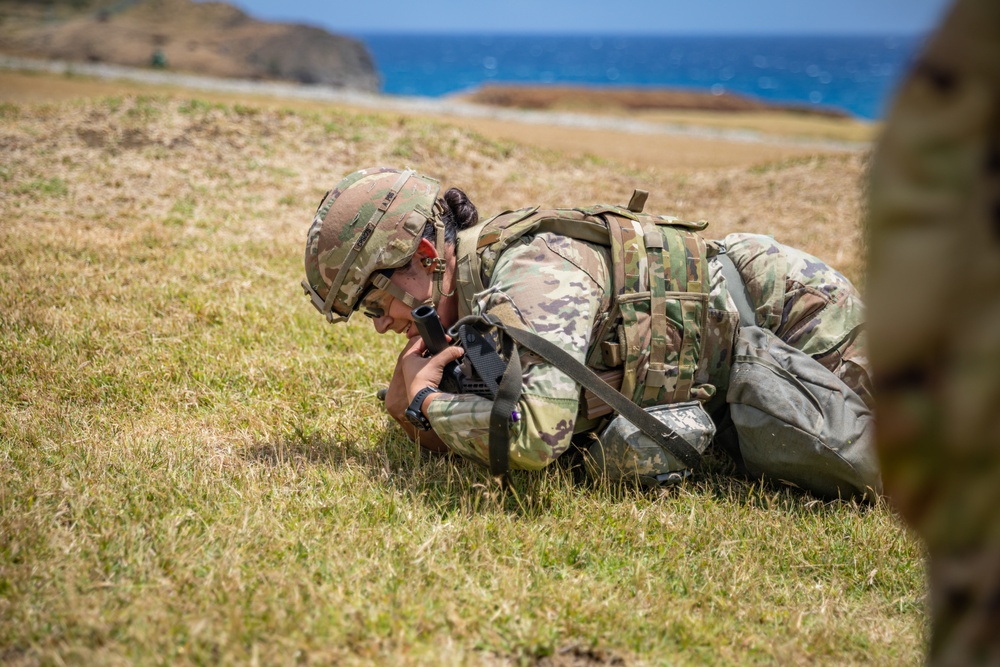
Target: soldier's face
{"points": [[397, 316]]}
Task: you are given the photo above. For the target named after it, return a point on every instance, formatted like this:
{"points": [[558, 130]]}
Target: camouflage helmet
{"points": [[368, 225]]}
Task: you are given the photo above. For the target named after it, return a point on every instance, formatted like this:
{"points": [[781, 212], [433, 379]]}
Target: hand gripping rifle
{"points": [[481, 368]]}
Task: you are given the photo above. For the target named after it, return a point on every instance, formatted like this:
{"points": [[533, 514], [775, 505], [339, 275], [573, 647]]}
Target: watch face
{"points": [[417, 419]]}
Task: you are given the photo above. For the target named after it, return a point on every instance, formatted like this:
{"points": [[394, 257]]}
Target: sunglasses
{"points": [[374, 302]]}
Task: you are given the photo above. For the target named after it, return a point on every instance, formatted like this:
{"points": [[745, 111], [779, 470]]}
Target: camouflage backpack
{"points": [[650, 341]]}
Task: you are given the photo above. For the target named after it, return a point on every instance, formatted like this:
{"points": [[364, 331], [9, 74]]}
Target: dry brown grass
{"points": [[193, 469], [782, 134], [804, 196], [588, 98]]}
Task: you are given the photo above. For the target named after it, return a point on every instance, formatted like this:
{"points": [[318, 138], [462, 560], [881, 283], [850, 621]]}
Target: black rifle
{"points": [[481, 368], [432, 331]]}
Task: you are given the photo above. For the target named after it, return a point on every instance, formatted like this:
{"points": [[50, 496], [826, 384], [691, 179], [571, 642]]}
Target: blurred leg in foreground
{"points": [[934, 299]]}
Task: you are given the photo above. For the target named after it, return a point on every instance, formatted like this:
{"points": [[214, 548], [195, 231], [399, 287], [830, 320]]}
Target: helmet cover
{"points": [[371, 222]]}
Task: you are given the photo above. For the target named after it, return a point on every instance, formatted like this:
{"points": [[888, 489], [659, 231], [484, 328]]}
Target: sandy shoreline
{"points": [[634, 139]]}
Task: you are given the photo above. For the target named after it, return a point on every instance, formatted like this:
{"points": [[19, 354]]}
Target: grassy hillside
{"points": [[193, 469]]}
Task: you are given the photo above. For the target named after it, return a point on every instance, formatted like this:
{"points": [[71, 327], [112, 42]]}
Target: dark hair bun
{"points": [[463, 211]]}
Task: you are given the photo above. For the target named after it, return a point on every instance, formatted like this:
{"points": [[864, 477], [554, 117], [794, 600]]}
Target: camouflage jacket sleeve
{"points": [[556, 286], [808, 304], [803, 300]]}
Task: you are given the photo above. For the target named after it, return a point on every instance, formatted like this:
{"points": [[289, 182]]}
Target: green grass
{"points": [[42, 188], [194, 470]]}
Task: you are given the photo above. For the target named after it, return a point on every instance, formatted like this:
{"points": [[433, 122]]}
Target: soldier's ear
{"points": [[425, 253]]}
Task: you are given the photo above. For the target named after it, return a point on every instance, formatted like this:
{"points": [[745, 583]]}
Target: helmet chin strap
{"points": [[439, 265], [383, 283]]}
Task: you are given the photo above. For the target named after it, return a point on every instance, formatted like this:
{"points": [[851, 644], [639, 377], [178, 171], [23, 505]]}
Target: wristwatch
{"points": [[414, 414]]}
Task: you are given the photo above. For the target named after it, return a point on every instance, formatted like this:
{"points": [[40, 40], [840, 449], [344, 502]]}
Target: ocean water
{"points": [[856, 74]]}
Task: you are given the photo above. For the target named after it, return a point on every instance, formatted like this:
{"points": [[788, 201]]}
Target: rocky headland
{"points": [[208, 38]]}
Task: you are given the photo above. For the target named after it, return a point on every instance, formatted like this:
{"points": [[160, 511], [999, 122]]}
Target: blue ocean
{"points": [[856, 74]]}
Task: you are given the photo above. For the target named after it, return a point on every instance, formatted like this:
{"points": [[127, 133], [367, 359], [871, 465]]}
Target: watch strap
{"points": [[414, 412]]}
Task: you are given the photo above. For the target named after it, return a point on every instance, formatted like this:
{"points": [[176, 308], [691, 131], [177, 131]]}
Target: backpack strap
{"points": [[689, 268], [503, 413], [629, 282], [467, 276], [737, 290]]}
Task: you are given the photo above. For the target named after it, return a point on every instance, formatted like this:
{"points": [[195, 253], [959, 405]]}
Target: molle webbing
{"points": [[660, 290], [660, 281], [661, 294]]}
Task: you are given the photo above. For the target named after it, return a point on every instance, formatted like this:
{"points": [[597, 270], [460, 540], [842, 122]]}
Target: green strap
{"points": [[656, 372], [655, 429], [686, 254], [467, 278]]}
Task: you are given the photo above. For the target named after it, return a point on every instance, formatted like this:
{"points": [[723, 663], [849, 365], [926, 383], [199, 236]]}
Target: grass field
{"points": [[193, 469]]}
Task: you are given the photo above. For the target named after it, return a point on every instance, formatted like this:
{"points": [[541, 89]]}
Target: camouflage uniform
{"points": [[806, 303], [560, 273], [558, 287], [934, 287]]}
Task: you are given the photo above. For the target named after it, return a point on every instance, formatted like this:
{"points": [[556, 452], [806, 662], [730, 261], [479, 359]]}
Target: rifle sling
{"points": [[502, 413], [652, 427]]}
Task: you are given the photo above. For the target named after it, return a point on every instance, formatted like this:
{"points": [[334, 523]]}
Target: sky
{"points": [[755, 17]]}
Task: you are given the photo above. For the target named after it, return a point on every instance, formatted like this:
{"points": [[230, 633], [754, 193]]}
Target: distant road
{"points": [[417, 105]]}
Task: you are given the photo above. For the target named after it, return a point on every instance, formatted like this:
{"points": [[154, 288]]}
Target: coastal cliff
{"points": [[210, 38]]}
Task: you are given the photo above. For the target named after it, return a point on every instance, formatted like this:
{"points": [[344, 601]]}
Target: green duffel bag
{"points": [[797, 423]]}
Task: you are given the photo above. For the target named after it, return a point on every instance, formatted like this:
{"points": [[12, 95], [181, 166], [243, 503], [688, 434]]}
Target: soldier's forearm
{"points": [[429, 440]]}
